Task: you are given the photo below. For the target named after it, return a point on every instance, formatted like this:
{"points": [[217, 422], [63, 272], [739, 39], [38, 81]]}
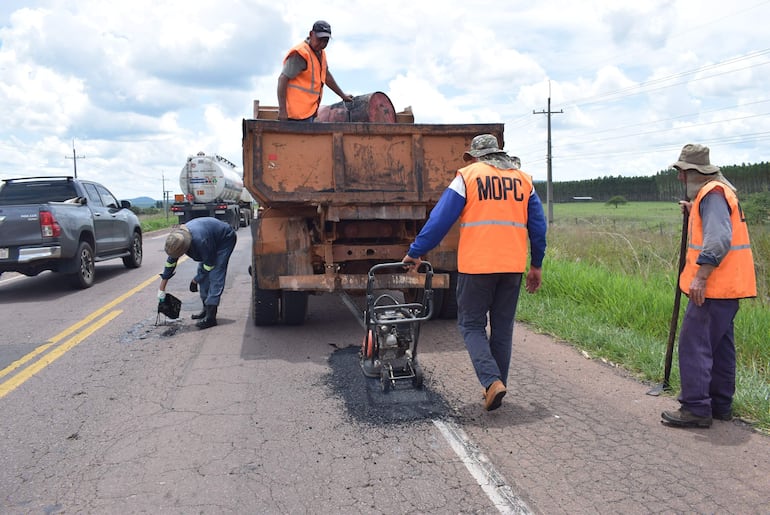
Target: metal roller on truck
{"points": [[212, 186], [339, 197]]}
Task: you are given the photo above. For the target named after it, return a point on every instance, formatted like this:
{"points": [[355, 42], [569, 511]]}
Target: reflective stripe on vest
{"points": [[493, 224], [735, 277], [303, 92]]}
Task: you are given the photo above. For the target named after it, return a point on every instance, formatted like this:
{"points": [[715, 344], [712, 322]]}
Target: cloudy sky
{"points": [[139, 85]]}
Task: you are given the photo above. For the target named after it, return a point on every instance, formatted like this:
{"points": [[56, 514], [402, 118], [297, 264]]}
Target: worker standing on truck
{"points": [[210, 242], [301, 82], [498, 210], [718, 270]]}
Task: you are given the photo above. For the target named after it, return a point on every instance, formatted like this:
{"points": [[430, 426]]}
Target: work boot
{"points": [[198, 316], [210, 320], [494, 396], [726, 416], [684, 418]]}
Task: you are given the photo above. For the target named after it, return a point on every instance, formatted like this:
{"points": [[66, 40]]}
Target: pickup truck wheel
{"points": [[84, 262], [134, 259]]}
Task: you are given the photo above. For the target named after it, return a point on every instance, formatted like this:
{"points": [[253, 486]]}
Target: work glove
{"points": [[193, 286], [161, 295]]}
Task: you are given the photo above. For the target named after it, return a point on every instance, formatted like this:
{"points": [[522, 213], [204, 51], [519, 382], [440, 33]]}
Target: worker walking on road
{"points": [[499, 211], [210, 242], [301, 82], [719, 270]]}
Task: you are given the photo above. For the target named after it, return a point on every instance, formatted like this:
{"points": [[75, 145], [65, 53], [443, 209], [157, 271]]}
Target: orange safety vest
{"points": [[734, 278], [303, 93], [493, 223]]}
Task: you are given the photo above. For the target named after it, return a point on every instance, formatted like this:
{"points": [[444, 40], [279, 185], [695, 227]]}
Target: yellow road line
{"points": [[9, 385], [19, 362], [16, 381], [71, 329]]}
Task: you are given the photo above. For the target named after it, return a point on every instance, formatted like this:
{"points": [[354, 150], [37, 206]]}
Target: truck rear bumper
{"points": [[337, 282], [27, 255]]}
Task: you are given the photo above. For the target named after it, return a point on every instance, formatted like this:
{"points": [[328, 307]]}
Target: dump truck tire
{"points": [[448, 308], [265, 306], [294, 307]]}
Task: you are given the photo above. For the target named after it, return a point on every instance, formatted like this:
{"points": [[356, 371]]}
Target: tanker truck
{"points": [[339, 197], [212, 186]]}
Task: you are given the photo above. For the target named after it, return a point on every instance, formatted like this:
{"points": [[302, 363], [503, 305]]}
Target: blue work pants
{"points": [[496, 295], [212, 284], [707, 357]]}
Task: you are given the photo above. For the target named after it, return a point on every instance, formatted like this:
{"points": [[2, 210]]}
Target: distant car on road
{"points": [[65, 225]]}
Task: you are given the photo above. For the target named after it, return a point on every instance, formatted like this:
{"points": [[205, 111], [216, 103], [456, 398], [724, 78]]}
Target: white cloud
{"points": [[141, 85]]}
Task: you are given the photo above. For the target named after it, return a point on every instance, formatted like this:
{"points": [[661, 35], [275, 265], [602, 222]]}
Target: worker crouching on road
{"points": [[210, 242], [718, 270], [301, 82], [499, 211]]}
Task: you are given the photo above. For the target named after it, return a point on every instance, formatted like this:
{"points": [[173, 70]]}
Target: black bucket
{"points": [[170, 306]]}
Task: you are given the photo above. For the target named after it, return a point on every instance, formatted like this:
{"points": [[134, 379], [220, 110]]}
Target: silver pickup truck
{"points": [[65, 225]]}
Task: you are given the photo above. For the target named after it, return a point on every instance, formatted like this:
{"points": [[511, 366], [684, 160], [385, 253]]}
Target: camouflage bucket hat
{"points": [[178, 241], [482, 145]]}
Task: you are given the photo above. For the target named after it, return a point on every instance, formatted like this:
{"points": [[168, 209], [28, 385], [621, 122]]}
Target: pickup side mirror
{"points": [[125, 204]]}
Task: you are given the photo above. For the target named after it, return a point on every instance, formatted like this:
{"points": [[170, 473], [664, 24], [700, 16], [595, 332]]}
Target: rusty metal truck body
{"points": [[337, 198]]}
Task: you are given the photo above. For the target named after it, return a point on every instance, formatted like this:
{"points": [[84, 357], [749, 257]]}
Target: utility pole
{"points": [[549, 184], [165, 194], [74, 158]]}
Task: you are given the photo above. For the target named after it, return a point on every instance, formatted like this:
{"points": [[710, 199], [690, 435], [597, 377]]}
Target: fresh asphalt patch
{"points": [[366, 402]]}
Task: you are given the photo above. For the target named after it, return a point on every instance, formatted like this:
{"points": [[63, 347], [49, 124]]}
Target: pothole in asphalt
{"points": [[366, 402], [152, 328]]}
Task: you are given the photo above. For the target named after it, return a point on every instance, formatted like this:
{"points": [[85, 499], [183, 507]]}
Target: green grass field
{"points": [[609, 286]]}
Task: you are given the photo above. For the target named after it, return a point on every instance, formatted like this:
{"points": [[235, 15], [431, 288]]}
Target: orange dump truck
{"points": [[337, 198]]}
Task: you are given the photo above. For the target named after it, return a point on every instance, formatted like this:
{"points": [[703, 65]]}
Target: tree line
{"points": [[663, 186]]}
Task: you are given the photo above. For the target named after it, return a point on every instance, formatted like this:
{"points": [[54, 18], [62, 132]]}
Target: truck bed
{"points": [[338, 164]]}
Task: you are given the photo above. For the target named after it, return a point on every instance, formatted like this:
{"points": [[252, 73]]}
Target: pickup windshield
{"points": [[38, 192]]}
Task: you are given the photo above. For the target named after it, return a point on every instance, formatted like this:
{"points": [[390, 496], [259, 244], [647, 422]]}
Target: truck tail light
{"points": [[49, 227]]}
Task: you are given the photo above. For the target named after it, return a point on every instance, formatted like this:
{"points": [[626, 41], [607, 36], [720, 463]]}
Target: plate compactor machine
{"points": [[389, 349]]}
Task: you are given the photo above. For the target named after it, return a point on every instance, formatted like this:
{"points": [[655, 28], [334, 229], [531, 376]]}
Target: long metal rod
{"points": [[666, 385]]}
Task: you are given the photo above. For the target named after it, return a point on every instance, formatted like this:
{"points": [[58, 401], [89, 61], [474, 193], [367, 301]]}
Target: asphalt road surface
{"points": [[103, 411]]}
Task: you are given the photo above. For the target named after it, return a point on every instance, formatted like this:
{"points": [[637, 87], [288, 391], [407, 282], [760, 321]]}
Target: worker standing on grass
{"points": [[719, 270], [210, 242], [498, 210], [301, 82]]}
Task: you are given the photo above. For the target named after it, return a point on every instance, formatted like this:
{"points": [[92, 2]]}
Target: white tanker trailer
{"points": [[212, 186]]}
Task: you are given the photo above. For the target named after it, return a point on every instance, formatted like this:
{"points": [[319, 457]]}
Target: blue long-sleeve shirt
{"points": [[451, 205], [717, 229]]}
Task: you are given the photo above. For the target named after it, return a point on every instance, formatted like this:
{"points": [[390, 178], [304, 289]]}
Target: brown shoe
{"points": [[684, 418], [494, 396]]}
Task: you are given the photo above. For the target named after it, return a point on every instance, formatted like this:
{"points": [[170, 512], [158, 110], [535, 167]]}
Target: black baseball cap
{"points": [[322, 29]]}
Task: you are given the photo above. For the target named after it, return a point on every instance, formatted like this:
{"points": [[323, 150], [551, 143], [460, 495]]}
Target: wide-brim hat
{"points": [[178, 241], [695, 157], [482, 145]]}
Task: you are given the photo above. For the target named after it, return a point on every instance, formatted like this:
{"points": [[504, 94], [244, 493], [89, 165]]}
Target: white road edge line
{"points": [[483, 471]]}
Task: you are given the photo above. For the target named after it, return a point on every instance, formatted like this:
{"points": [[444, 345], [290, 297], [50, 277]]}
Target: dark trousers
{"points": [[707, 357], [212, 284], [496, 295]]}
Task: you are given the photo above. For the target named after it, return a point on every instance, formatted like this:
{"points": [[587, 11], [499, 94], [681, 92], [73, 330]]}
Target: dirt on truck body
{"points": [[337, 198]]}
